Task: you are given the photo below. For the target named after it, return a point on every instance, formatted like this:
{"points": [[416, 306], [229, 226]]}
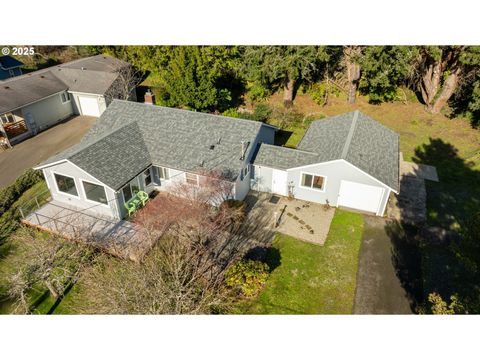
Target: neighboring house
{"points": [[136, 146], [9, 67], [35, 101], [348, 160]]}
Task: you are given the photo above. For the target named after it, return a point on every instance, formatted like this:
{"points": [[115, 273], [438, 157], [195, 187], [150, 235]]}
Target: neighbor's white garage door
{"points": [[89, 106], [359, 196]]}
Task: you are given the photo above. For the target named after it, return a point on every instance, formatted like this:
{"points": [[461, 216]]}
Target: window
{"points": [[163, 173], [94, 192], [148, 177], [313, 181], [191, 179], [130, 189], [65, 97], [66, 184], [245, 172], [7, 118]]}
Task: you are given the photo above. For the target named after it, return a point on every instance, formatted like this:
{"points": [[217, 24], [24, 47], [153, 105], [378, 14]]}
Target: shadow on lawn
{"points": [[422, 254]]}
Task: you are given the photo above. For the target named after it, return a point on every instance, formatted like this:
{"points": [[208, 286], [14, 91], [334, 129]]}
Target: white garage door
{"points": [[359, 196], [89, 106]]}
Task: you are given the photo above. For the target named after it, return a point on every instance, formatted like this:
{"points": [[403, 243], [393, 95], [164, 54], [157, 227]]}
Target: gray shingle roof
{"points": [[129, 136], [352, 136], [8, 62], [22, 90], [283, 157], [94, 75]]}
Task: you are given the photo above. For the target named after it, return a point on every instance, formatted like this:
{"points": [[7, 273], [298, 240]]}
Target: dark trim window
{"points": [[313, 181], [148, 177], [65, 96], [7, 118], [66, 184], [95, 192]]}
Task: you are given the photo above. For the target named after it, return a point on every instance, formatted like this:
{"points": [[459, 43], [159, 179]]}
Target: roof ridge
{"points": [[289, 148], [196, 112], [348, 140]]}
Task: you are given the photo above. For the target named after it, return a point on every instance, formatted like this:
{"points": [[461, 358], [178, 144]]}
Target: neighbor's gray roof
{"points": [[129, 136], [353, 136], [8, 62], [94, 75], [22, 90]]}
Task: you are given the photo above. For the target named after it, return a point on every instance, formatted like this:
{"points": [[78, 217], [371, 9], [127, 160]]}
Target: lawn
{"points": [[313, 279]]}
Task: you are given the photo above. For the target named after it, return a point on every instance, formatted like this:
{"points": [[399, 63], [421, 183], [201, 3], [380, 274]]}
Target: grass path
{"points": [[312, 279]]}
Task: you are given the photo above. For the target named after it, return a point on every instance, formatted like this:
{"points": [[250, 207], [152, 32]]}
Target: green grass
{"points": [[313, 279]]}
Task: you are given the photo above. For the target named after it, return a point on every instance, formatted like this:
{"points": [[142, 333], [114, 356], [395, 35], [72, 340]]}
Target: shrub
{"points": [[12, 193], [247, 276], [261, 112], [232, 112], [319, 92], [257, 92], [440, 307]]}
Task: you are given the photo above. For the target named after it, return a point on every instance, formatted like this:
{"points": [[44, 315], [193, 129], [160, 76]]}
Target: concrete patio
{"points": [[303, 220], [121, 238]]}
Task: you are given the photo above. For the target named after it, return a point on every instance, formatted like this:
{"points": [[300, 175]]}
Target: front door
{"points": [[279, 182]]}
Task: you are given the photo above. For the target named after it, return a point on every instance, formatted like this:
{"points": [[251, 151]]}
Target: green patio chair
{"points": [[143, 196], [130, 208]]}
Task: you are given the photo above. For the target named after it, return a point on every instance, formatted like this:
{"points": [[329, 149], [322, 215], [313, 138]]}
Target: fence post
{"points": [[55, 223], [36, 200], [38, 220], [21, 212]]}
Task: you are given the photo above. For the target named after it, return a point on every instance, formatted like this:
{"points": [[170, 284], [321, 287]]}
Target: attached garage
{"points": [[360, 196], [89, 106]]}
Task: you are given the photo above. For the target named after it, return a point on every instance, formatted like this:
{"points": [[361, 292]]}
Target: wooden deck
{"points": [[118, 237]]}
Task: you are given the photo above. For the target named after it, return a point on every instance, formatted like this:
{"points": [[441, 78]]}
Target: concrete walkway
{"points": [[28, 153], [379, 290]]}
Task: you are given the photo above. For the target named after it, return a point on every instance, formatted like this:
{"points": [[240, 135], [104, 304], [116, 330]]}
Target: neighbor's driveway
{"points": [[379, 290], [42, 146]]}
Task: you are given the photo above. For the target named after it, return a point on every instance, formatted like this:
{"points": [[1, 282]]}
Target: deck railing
{"points": [[34, 203]]}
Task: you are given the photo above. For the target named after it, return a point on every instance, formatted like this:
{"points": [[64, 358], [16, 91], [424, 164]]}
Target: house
{"points": [[348, 160], [135, 146], [35, 101], [9, 67]]}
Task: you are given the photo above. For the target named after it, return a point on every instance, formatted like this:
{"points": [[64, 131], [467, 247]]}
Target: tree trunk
{"points": [[52, 289], [431, 82], [353, 71], [449, 87], [288, 92]]}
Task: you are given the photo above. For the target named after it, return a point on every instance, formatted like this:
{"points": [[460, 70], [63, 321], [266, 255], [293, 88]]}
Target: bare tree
{"points": [[52, 262], [123, 88], [184, 272]]}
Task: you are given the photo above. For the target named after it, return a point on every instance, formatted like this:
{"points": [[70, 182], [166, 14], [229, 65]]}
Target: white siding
{"points": [[48, 111], [262, 178], [68, 169], [334, 172]]}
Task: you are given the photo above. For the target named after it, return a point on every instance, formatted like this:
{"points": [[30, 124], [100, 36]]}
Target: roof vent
{"points": [[7, 87], [202, 163], [218, 141], [84, 68], [212, 147], [42, 77]]}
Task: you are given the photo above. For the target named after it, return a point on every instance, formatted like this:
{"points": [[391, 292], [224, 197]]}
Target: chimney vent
{"points": [[242, 157], [149, 98], [212, 147], [218, 142]]}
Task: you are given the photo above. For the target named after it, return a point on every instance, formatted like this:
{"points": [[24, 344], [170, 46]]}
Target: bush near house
{"points": [[10, 196], [247, 276]]}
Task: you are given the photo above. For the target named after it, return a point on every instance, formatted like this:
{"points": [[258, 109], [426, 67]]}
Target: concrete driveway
{"points": [[40, 147], [379, 290]]}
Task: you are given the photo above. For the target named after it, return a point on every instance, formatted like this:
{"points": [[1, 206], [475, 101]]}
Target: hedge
{"points": [[12, 193]]}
